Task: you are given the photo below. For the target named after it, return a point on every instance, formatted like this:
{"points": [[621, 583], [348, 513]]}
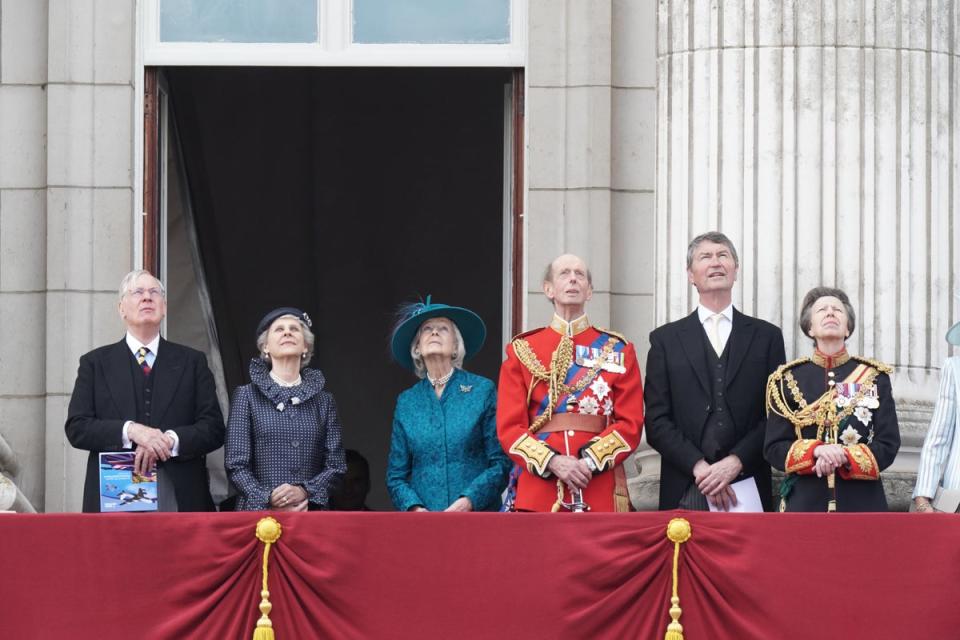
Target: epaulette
{"points": [[789, 365], [619, 336], [876, 364], [526, 333]]}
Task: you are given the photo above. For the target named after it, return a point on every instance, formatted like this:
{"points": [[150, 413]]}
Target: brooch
{"points": [[466, 388]]}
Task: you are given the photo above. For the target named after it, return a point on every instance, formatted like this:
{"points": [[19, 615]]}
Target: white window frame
{"points": [[334, 48]]}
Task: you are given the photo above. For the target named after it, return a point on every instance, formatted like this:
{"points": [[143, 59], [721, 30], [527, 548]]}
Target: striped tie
{"points": [[142, 360]]}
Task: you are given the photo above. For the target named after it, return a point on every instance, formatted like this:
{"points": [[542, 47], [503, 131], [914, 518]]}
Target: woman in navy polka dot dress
{"points": [[284, 449]]}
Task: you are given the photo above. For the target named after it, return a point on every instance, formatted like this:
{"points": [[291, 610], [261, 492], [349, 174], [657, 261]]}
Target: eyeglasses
{"points": [[139, 293]]}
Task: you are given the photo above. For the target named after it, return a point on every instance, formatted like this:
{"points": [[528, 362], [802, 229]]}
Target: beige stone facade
{"points": [[826, 144]]}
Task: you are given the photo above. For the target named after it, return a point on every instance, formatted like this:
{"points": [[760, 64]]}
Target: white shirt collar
{"points": [[134, 345], [705, 313]]}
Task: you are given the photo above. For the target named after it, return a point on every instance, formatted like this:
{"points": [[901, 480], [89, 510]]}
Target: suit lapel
{"points": [[119, 381], [741, 336], [167, 372], [692, 342]]}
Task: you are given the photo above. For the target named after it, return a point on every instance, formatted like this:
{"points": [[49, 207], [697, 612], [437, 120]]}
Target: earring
{"points": [[303, 356]]}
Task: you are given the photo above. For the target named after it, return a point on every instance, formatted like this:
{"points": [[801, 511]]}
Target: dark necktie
{"points": [[142, 360]]}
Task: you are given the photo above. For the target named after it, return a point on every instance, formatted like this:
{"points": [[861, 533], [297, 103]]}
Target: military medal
{"points": [[613, 362], [585, 356]]}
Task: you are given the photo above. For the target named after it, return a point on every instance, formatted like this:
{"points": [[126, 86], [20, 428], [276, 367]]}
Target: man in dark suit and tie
{"points": [[705, 384], [153, 396]]}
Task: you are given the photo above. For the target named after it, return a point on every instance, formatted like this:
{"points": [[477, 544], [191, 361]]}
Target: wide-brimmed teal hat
{"points": [[471, 327], [953, 335]]}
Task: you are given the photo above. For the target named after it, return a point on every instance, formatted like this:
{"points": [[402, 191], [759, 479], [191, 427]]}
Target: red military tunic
{"points": [[601, 379]]}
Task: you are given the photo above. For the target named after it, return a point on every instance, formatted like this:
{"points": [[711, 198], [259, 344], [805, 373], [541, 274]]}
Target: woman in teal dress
{"points": [[444, 452]]}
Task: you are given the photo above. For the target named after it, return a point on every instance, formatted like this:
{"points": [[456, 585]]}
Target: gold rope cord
{"points": [[268, 531], [560, 363], [678, 532], [821, 412]]}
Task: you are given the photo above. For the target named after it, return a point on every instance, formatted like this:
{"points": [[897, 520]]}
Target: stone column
{"points": [[823, 138], [591, 113], [23, 74], [89, 201]]}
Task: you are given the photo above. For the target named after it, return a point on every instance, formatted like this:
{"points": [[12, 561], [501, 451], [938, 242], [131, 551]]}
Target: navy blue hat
{"points": [[282, 311], [471, 327]]}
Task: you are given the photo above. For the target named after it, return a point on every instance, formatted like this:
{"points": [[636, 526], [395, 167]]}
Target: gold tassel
{"points": [[678, 531], [268, 532]]}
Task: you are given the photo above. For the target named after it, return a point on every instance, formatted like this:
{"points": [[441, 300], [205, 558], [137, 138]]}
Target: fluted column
{"points": [[823, 138]]}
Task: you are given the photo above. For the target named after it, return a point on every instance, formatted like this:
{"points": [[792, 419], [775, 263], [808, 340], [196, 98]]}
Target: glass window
{"points": [[431, 21], [238, 20]]}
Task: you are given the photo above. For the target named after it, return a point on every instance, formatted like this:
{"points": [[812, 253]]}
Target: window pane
{"points": [[431, 21], [238, 20]]}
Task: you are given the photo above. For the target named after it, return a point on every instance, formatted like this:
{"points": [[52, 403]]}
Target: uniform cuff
{"points": [[800, 457]]}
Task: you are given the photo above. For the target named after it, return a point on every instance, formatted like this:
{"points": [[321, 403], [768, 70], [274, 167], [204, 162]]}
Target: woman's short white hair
{"points": [[308, 339], [459, 350], [131, 277]]}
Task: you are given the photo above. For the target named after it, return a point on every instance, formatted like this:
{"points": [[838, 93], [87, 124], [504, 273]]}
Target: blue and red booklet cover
{"points": [[121, 488]]}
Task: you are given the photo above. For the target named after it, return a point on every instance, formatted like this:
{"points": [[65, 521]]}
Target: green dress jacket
{"points": [[442, 449]]}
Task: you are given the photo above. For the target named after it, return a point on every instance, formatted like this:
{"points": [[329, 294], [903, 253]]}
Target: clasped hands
{"points": [[152, 445], [461, 504], [289, 497], [713, 480], [829, 457], [574, 472]]}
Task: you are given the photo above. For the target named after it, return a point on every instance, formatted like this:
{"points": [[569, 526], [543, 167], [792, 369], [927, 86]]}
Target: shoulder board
{"points": [[789, 365], [527, 333], [876, 364], [619, 336]]}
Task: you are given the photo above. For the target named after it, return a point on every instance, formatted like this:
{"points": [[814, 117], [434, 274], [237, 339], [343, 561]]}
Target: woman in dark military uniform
{"points": [[832, 424]]}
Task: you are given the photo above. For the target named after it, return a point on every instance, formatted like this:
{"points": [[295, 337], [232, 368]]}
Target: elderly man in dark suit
{"points": [[706, 377], [153, 396]]}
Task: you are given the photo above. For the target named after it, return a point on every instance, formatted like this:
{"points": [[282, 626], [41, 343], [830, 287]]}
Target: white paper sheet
{"points": [[748, 497]]}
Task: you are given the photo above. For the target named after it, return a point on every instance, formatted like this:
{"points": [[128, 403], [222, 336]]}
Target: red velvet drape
{"points": [[388, 575]]}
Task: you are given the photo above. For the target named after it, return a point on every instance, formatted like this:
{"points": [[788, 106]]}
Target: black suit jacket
{"points": [[677, 397], [184, 400]]}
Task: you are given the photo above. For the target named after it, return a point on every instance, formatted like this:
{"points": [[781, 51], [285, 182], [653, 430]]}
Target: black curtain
{"points": [[346, 192]]}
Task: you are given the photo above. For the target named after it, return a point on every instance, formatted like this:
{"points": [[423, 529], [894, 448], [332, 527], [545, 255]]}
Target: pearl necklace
{"points": [[284, 383], [442, 380]]}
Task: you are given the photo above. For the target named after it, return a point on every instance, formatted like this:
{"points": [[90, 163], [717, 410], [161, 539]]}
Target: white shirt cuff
{"points": [[175, 449], [124, 438]]}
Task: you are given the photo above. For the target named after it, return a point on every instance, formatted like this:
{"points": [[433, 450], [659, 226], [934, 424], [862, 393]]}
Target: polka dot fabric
{"points": [[283, 434]]}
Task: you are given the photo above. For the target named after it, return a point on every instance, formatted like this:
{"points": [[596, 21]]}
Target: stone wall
{"points": [[66, 233], [23, 179], [822, 137]]}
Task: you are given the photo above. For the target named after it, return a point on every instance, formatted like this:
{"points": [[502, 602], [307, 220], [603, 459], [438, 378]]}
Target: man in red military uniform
{"points": [[570, 404]]}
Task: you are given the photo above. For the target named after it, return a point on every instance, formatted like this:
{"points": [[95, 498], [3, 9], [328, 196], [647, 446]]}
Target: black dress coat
{"points": [[678, 401], [881, 434], [184, 400]]}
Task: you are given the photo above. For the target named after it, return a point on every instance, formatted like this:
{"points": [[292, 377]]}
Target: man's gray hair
{"points": [[459, 350], [131, 277], [717, 238], [309, 340]]}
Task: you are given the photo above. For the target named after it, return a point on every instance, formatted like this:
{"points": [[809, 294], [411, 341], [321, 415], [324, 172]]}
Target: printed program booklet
{"points": [[121, 489]]}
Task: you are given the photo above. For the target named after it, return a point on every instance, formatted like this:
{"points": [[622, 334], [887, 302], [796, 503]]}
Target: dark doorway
{"points": [[346, 192]]}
